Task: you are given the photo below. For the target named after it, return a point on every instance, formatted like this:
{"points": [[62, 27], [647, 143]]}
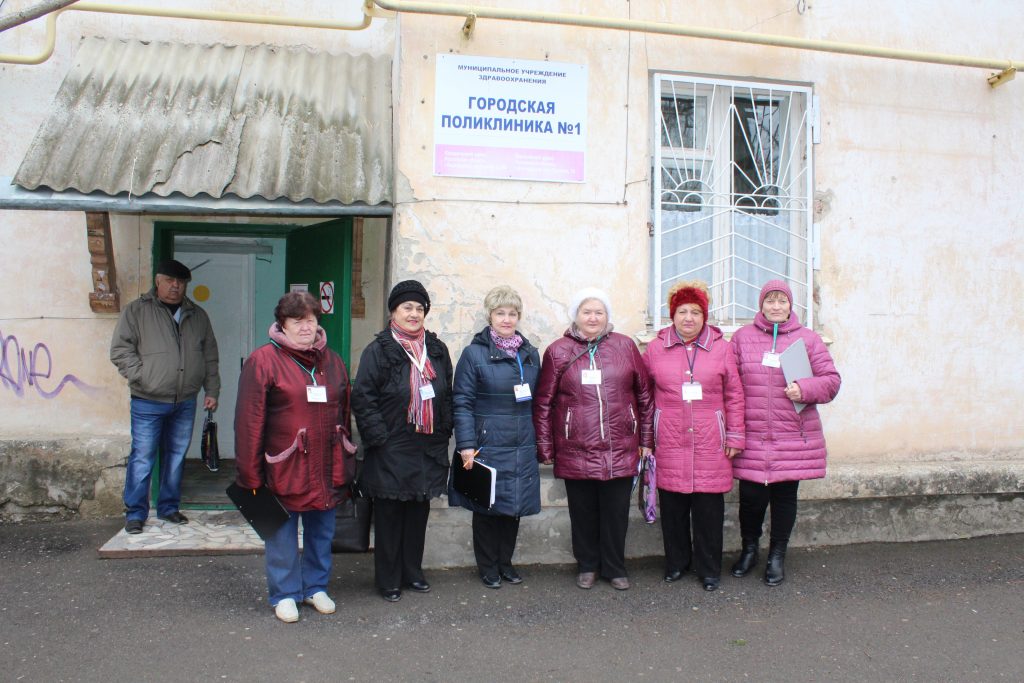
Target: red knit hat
{"points": [[688, 293]]}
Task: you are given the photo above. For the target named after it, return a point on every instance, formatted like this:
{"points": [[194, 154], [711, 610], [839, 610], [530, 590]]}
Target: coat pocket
{"points": [[568, 422], [286, 473], [657, 420], [343, 457], [721, 427], [632, 416]]}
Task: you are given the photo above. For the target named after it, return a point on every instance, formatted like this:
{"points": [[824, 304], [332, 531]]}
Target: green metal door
{"points": [[320, 257]]}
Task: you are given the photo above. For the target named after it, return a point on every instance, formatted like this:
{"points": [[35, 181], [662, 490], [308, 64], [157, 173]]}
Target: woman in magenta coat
{"points": [[783, 446], [292, 436], [698, 429]]}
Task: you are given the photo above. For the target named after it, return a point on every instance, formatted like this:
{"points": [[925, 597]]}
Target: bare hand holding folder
{"points": [[476, 483]]}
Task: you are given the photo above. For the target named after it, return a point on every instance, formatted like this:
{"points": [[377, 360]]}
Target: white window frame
{"points": [[714, 156]]}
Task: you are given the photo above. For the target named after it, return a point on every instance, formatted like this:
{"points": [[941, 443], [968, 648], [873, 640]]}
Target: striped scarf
{"points": [[420, 411]]}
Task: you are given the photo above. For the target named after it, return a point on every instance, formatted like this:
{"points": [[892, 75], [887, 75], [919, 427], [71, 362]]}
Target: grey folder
{"points": [[796, 365]]}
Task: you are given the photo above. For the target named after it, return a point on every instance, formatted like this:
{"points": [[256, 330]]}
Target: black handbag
{"points": [[208, 449], [352, 523]]}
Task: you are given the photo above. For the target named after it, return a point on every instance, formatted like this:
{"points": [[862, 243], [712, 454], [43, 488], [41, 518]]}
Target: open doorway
{"points": [[238, 274]]}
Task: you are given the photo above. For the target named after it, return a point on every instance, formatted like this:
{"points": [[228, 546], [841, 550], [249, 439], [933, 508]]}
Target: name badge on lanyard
{"points": [[770, 359], [316, 394], [591, 376], [427, 392], [521, 390], [692, 391]]}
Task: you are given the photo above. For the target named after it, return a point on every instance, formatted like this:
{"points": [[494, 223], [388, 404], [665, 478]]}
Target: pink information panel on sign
{"points": [[505, 162], [510, 119]]}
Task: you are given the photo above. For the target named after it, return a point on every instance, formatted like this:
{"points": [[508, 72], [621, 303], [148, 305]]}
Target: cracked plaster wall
{"points": [[920, 249]]}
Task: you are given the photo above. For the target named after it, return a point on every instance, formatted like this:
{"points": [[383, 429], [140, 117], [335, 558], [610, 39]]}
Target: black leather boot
{"points": [[775, 570], [748, 558]]}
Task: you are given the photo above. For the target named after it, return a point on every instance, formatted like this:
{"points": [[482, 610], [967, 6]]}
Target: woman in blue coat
{"points": [[493, 409]]}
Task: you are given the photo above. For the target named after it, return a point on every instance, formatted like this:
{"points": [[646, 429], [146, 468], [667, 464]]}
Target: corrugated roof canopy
{"points": [[244, 120]]}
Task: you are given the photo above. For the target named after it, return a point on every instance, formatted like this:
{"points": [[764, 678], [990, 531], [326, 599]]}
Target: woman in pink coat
{"points": [[698, 429], [783, 445]]}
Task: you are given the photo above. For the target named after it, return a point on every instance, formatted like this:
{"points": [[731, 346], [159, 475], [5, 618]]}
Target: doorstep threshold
{"points": [[208, 532]]}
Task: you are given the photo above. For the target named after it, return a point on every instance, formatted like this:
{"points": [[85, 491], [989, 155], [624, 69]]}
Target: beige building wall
{"points": [[915, 177]]}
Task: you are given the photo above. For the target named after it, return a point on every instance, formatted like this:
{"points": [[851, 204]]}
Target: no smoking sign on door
{"points": [[327, 297]]}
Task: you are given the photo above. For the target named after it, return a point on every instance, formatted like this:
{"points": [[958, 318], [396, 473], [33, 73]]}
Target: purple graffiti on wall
{"points": [[20, 368]]}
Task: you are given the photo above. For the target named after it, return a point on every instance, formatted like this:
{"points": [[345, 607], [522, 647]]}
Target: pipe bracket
{"points": [[1004, 76]]}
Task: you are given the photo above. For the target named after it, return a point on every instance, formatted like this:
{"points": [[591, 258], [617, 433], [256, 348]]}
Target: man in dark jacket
{"points": [[164, 346]]}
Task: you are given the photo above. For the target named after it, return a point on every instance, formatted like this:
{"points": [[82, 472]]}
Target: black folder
{"points": [[260, 507], [476, 483]]}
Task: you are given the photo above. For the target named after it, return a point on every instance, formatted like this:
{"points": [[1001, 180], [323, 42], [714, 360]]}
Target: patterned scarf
{"points": [[509, 345], [420, 412]]}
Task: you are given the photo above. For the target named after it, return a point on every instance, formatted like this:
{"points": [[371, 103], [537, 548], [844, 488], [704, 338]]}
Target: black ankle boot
{"points": [[775, 570], [748, 558]]}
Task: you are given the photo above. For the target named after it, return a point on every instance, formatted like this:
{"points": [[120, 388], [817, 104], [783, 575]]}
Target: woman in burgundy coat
{"points": [[292, 436], [594, 414]]}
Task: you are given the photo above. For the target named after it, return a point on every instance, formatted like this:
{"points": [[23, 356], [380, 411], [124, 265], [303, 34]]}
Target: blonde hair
{"points": [[683, 284], [500, 296]]}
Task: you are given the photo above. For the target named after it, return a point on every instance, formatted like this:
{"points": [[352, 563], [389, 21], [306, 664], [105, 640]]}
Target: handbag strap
{"points": [[561, 371]]}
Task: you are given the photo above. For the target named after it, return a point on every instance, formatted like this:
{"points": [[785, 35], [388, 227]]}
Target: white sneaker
{"points": [[287, 611], [322, 603]]}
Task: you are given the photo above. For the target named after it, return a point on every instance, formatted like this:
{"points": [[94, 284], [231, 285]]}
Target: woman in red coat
{"points": [[698, 429], [292, 436], [593, 413]]}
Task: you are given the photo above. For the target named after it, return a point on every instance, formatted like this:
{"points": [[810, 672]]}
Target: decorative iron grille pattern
{"points": [[732, 195]]}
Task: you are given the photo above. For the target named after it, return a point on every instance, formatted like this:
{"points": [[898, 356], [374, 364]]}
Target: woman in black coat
{"points": [[493, 394], [402, 404]]}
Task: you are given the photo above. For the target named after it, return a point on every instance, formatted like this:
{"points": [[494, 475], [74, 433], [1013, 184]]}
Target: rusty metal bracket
{"points": [[467, 28]]}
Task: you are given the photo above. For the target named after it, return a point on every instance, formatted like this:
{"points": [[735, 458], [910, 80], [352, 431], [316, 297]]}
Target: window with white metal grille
{"points": [[732, 193]]}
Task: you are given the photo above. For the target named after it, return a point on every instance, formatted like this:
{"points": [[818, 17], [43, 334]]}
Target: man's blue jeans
{"points": [[290, 575], [167, 426]]}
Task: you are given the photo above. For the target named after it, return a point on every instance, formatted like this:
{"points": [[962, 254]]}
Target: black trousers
{"points": [[399, 529], [754, 501], [705, 514], [494, 541], [599, 516]]}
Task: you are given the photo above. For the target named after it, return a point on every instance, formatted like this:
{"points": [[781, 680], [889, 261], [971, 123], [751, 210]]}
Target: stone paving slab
{"points": [[208, 532]]}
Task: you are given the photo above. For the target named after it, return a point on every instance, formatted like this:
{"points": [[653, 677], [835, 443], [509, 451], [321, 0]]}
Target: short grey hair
{"points": [[500, 296]]}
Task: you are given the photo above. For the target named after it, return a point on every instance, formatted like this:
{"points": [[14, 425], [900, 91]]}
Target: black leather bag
{"points": [[352, 524], [208, 449]]}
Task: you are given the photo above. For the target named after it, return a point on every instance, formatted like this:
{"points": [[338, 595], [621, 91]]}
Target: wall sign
{"points": [[327, 297], [510, 118]]}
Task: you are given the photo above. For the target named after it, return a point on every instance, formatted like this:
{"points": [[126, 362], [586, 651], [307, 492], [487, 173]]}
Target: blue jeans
{"points": [[295, 576], [167, 426]]}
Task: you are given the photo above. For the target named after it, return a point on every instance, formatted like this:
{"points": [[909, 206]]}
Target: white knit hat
{"points": [[589, 293]]}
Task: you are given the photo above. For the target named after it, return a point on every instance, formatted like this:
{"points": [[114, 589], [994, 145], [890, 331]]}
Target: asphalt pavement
{"points": [[937, 611]]}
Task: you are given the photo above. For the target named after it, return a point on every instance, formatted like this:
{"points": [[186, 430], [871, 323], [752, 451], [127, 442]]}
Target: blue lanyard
{"points": [[775, 335], [311, 373], [518, 360], [592, 350]]}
